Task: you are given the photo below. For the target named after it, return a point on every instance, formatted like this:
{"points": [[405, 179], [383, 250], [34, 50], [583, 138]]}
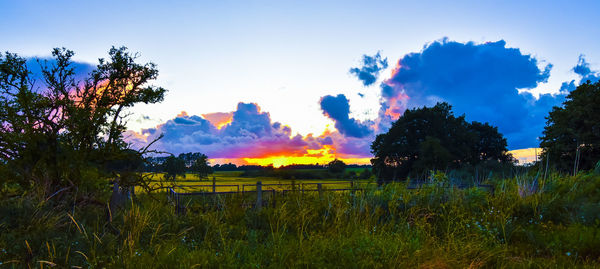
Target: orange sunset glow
{"points": [[320, 156], [527, 155]]}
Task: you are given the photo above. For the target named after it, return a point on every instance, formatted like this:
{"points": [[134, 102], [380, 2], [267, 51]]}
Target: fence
{"points": [[175, 194], [272, 189]]}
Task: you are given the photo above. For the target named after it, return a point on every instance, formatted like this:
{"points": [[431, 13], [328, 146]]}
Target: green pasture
{"points": [[228, 181], [554, 224]]}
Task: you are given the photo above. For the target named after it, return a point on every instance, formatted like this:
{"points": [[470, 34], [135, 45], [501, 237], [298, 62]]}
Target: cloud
{"points": [[583, 70], [249, 133], [352, 147], [479, 80], [487, 82], [337, 109], [370, 69]]}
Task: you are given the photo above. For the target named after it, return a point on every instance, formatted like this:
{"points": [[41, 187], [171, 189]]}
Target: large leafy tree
{"points": [[197, 163], [432, 138], [173, 167], [60, 133], [571, 138], [336, 166], [201, 167]]}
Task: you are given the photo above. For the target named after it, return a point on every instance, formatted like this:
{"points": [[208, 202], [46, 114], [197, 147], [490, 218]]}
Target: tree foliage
{"points": [[197, 163], [571, 138], [432, 138], [173, 167], [57, 132], [336, 166]]}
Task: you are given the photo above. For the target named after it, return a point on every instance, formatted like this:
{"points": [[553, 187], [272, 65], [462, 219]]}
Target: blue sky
{"points": [[284, 56]]}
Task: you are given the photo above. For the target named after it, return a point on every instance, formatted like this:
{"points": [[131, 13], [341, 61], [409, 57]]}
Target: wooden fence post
{"points": [[273, 198], [214, 184], [258, 195], [320, 189], [176, 203]]}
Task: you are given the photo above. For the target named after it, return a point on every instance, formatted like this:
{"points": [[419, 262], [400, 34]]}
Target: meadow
{"points": [[228, 181], [527, 222]]}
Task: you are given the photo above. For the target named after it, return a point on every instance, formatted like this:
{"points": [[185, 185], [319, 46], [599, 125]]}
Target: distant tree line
{"points": [[335, 169], [172, 166], [155, 164]]}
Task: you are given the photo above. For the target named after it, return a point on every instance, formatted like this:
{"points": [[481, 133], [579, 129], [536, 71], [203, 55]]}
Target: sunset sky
{"points": [[278, 82]]}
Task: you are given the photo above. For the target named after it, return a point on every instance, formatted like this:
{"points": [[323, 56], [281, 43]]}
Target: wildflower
{"points": [[568, 253]]}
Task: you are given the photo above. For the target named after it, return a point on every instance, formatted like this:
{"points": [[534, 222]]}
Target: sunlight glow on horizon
{"points": [[317, 156], [524, 156]]}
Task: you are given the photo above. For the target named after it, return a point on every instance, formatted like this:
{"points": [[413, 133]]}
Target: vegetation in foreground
{"points": [[551, 223]]}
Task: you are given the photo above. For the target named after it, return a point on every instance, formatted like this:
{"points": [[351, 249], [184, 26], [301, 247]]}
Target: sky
{"points": [[281, 82]]}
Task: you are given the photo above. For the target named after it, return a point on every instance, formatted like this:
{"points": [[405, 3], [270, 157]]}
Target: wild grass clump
{"points": [[436, 226]]}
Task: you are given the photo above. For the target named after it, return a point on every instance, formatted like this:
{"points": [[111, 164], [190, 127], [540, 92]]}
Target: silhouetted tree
{"points": [[336, 166], [63, 133], [173, 167], [225, 167], [200, 167], [571, 138], [432, 138]]}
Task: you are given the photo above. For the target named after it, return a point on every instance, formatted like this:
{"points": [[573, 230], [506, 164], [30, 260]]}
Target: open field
{"points": [[228, 181]]}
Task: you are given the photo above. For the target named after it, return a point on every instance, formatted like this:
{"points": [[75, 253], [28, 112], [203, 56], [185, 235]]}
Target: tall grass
{"points": [[557, 225]]}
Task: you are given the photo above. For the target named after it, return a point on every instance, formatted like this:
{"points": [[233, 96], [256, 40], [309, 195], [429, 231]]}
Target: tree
{"points": [[433, 156], [489, 144], [432, 138], [173, 167], [571, 138], [197, 163], [336, 166], [59, 133]]}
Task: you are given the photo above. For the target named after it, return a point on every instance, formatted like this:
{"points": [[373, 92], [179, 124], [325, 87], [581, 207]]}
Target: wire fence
{"points": [[183, 196]]}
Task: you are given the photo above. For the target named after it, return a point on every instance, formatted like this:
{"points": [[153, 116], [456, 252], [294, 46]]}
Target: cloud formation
{"points": [[338, 109], [487, 82], [248, 134], [479, 80], [369, 71]]}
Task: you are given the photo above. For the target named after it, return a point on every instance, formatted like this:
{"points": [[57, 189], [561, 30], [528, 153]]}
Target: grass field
{"points": [[555, 225], [227, 181]]}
